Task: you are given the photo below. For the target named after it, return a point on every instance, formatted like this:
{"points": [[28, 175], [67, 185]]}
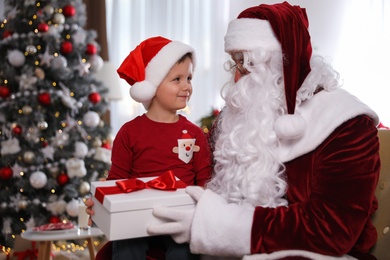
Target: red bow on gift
{"points": [[166, 181]]}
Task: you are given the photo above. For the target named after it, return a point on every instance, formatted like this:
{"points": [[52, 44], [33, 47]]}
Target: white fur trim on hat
{"points": [[247, 34]]}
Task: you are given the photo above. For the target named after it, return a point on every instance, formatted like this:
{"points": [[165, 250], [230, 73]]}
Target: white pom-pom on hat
{"points": [[143, 91], [290, 126]]}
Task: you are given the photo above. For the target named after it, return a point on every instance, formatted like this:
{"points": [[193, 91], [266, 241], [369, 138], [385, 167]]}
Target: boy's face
{"points": [[176, 88]]}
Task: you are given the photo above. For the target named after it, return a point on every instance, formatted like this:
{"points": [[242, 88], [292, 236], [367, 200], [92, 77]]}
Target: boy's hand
{"points": [[89, 203]]}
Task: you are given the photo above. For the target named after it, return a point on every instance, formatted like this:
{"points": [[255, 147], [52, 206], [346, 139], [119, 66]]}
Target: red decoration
{"points": [[44, 144], [6, 173], [382, 126], [106, 145], [43, 27], [91, 49], [94, 97], [69, 10], [166, 181], [44, 98], [62, 179], [28, 253], [17, 130], [7, 33], [4, 92], [66, 47], [54, 219]]}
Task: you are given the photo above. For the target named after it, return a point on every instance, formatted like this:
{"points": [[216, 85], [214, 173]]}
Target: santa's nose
{"points": [[188, 148]]}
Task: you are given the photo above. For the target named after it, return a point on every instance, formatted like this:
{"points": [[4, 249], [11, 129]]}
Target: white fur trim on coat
{"points": [[288, 253], [323, 113]]}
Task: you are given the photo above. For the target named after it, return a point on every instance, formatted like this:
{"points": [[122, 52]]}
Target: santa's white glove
{"points": [[177, 221], [220, 228]]}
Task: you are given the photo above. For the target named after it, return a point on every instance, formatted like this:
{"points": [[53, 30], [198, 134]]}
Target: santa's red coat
{"points": [[332, 172]]}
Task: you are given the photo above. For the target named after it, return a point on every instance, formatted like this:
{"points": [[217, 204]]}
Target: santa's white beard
{"points": [[247, 169]]}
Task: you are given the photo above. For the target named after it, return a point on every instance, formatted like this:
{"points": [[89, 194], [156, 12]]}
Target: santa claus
{"points": [[296, 157]]}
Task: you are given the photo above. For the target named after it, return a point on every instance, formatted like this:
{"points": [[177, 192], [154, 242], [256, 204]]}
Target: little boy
{"points": [[160, 72]]}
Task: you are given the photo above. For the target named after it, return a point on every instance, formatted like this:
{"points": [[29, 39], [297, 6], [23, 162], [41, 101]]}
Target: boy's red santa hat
{"points": [[148, 64], [278, 27]]}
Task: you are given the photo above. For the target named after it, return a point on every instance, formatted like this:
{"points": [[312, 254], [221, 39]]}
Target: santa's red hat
{"points": [[148, 64], [278, 27]]}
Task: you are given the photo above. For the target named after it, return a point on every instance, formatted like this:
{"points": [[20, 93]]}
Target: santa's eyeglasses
{"points": [[236, 63]]}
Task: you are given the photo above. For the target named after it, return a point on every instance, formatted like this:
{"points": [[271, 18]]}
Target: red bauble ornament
{"points": [[43, 27], [62, 179], [69, 10], [54, 219], [44, 98], [7, 33], [91, 49], [6, 173], [66, 47], [94, 97], [4, 92], [106, 145], [17, 130]]}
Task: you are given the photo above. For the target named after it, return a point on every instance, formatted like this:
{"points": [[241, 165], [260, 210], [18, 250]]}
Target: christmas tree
{"points": [[52, 137]]}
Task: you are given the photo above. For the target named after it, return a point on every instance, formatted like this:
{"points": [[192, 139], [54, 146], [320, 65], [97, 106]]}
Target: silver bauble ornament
{"points": [[91, 119], [96, 62], [31, 49], [40, 73], [80, 150], [42, 125], [26, 110], [97, 142], [84, 188], [28, 157], [16, 58], [72, 208], [58, 18], [22, 204], [38, 180], [59, 62], [48, 9]]}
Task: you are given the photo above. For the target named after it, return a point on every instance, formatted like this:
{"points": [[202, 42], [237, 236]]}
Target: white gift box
{"points": [[127, 215]]}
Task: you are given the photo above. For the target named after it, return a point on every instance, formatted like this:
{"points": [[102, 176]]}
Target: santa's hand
{"points": [[220, 228], [178, 221]]}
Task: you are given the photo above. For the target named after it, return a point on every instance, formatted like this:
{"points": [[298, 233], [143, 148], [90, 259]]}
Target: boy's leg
{"points": [[129, 249], [176, 251]]}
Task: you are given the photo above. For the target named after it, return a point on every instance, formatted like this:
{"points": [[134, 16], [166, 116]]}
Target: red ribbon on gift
{"points": [[166, 181]]}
